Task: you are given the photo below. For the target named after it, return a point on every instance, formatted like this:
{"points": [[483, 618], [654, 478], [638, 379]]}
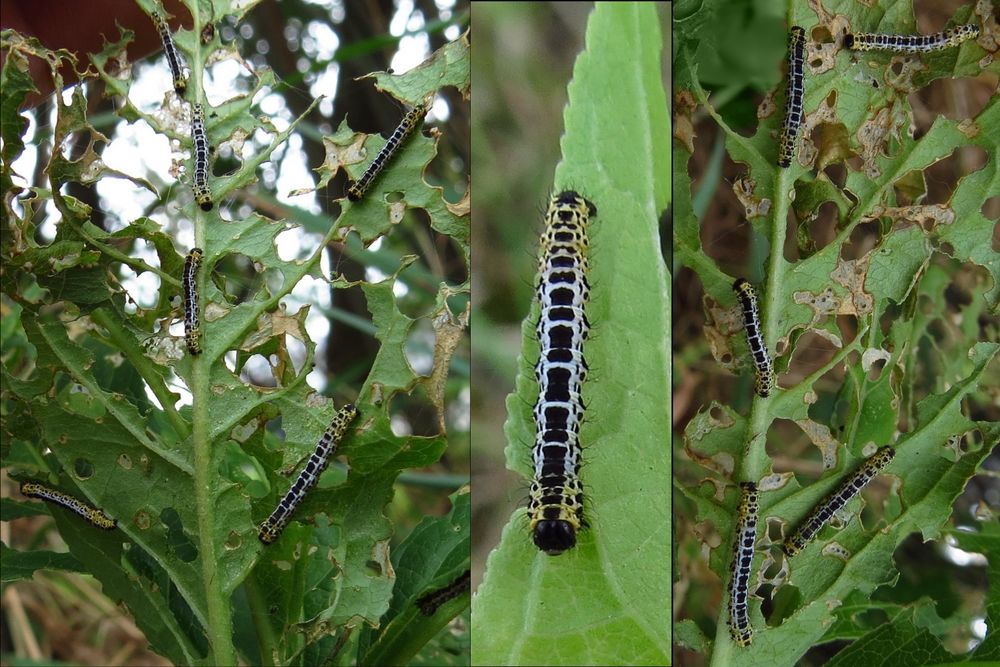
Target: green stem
{"points": [[432, 481], [755, 462], [220, 629]]}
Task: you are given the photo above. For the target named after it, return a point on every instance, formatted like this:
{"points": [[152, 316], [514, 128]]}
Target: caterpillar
{"points": [[793, 96], [357, 189], [825, 510], [430, 603], [555, 507], [271, 528], [173, 56], [91, 514], [202, 195], [739, 582], [866, 41], [189, 284], [747, 295]]}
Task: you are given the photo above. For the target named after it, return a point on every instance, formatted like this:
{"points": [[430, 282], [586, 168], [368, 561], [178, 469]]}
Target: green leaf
{"points": [[22, 565], [434, 556], [604, 601], [907, 641]]}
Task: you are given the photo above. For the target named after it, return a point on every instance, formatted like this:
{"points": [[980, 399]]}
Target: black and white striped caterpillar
{"points": [[189, 285], [747, 295], [199, 138], [834, 502], [270, 530], [866, 41], [794, 95], [431, 602], [173, 56], [91, 514], [555, 507], [739, 581], [357, 189]]}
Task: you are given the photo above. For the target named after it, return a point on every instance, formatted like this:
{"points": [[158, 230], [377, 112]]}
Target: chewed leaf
{"points": [[862, 305]]}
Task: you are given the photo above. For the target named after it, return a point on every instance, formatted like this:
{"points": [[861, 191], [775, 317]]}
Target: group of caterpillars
{"points": [[862, 41], [745, 529], [203, 196], [274, 525]]}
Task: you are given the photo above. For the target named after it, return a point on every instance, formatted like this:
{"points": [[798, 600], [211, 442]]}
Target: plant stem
{"points": [[261, 622], [220, 629]]}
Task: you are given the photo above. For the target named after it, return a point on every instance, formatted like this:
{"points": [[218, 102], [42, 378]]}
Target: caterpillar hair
{"points": [[555, 507], [173, 56], [199, 138], [866, 41], [795, 92], [432, 601], [747, 296], [739, 582]]}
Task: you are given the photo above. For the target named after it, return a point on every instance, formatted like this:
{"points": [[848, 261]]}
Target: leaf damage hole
{"points": [[177, 540], [83, 468], [823, 439]]}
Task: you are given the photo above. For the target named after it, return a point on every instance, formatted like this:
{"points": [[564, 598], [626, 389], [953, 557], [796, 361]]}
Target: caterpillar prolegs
{"points": [[199, 138], [555, 507], [173, 56], [431, 602], [795, 93], [357, 189], [189, 285]]}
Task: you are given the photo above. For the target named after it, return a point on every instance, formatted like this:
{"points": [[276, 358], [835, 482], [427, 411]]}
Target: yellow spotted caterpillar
{"points": [[91, 514], [270, 530], [199, 138], [795, 93], [755, 337], [834, 502], [189, 285], [866, 41], [173, 57], [739, 580], [430, 602], [555, 507], [357, 189]]}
